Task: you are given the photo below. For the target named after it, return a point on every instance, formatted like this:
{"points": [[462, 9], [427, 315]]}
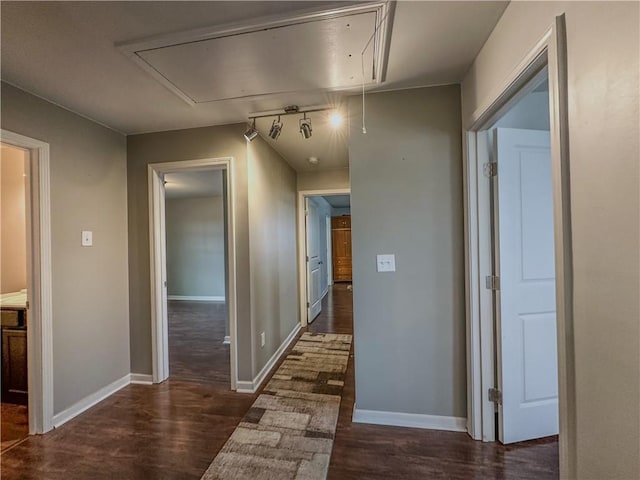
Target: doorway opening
{"points": [[519, 269], [324, 243], [198, 323], [14, 192], [25, 284], [522, 281], [193, 271]]}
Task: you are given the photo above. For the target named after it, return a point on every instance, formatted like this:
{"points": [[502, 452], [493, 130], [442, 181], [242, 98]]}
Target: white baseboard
{"points": [[254, 386], [196, 298], [414, 420], [324, 294], [89, 401], [227, 340], [141, 378]]}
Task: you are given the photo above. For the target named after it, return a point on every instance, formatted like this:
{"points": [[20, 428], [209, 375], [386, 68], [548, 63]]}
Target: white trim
{"points": [[302, 263], [141, 379], [196, 298], [89, 401], [329, 241], [40, 333], [412, 420], [158, 260], [254, 386], [550, 51], [227, 340]]}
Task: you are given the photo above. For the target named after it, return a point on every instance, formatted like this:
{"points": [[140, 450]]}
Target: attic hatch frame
{"points": [[381, 40]]}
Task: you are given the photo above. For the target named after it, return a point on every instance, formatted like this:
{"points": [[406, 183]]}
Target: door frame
{"points": [[302, 237], [40, 311], [327, 220], [549, 52], [159, 327]]}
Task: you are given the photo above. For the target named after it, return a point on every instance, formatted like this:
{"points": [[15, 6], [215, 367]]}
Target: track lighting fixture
{"points": [[251, 133], [276, 129], [334, 118], [305, 127]]}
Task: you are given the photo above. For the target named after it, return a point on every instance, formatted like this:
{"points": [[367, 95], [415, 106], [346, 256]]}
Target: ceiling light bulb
{"points": [[313, 160], [335, 119]]}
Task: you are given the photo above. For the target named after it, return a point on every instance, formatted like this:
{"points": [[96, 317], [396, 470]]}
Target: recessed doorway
{"points": [[25, 283], [193, 271], [198, 321], [324, 241]]}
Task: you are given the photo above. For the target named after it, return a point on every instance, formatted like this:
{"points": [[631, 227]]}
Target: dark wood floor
{"points": [[196, 349], [379, 452], [14, 424], [173, 431]]}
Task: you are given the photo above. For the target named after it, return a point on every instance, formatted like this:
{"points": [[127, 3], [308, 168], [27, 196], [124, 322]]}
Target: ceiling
{"points": [[193, 184], [71, 53], [338, 201]]}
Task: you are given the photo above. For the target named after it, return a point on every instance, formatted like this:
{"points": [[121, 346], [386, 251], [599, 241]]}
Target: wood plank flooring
{"points": [[174, 430], [380, 452], [14, 424]]}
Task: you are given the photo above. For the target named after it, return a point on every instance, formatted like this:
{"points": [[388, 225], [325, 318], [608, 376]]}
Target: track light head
{"points": [[305, 127], [276, 129], [251, 133]]}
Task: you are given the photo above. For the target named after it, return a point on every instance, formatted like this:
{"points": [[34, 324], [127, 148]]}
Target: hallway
{"points": [[175, 429]]}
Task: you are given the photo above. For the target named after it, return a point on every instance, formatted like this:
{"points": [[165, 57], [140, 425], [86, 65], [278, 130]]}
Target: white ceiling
{"points": [[66, 52], [195, 184], [338, 201]]}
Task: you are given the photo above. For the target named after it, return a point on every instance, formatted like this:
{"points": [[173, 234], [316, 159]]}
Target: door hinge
{"points": [[492, 282], [495, 396], [27, 305], [490, 169], [308, 304], [307, 258]]}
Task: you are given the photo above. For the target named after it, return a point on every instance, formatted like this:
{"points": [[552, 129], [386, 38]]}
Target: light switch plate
{"points": [[386, 263], [87, 238]]}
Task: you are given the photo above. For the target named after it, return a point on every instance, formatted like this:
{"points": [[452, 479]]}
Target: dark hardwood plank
{"points": [[174, 430]]}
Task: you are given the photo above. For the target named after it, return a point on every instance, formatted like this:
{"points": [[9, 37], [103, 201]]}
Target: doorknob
{"points": [[320, 262]]}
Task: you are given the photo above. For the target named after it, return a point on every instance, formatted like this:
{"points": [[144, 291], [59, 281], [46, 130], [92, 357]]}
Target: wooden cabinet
{"points": [[341, 248], [14, 365], [341, 222]]}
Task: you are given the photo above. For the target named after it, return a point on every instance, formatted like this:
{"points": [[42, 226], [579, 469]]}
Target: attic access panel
{"points": [[309, 53]]}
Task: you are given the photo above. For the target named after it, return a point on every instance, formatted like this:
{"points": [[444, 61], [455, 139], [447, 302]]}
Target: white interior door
{"points": [[526, 312], [314, 271]]}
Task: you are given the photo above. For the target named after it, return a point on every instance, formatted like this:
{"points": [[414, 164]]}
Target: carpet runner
{"points": [[288, 432]]}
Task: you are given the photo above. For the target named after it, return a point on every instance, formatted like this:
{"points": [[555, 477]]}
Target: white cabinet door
{"points": [[526, 316], [314, 271]]}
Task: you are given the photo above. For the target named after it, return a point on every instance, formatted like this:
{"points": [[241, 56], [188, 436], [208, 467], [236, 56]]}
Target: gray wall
{"points": [[90, 285], [264, 209], [195, 247], [409, 325], [180, 145], [323, 179], [603, 43], [272, 227]]}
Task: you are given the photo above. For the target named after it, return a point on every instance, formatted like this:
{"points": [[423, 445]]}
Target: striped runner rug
{"points": [[288, 431]]}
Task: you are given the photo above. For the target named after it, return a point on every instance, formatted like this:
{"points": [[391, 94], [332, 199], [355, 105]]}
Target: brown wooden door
{"points": [[341, 244]]}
